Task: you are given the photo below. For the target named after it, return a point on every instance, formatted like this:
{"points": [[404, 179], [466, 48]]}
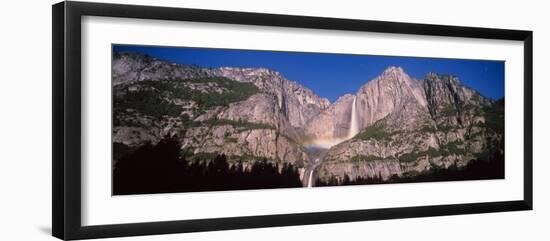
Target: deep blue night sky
{"points": [[333, 75]]}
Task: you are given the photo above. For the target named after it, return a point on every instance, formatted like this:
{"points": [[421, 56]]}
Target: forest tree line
{"points": [[161, 169]]}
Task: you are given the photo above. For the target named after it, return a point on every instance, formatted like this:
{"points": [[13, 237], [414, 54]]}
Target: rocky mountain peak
{"points": [[394, 74], [446, 90], [392, 78], [392, 91], [394, 70]]}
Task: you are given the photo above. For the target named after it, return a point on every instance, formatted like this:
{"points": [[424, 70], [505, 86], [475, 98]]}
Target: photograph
{"points": [[193, 119], [275, 120]]}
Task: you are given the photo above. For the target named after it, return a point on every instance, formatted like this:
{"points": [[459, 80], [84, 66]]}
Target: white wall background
{"points": [[25, 119]]}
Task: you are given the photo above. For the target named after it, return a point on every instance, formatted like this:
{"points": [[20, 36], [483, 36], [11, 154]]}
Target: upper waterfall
{"points": [[354, 128]]}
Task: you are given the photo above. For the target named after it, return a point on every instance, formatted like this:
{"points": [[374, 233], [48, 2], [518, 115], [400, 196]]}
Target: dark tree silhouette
{"points": [[160, 169]]}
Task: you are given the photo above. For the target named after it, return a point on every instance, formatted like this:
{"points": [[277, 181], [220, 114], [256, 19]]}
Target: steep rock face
{"points": [[208, 111], [450, 103], [413, 126], [243, 144], [297, 103], [391, 92], [260, 108], [333, 122]]}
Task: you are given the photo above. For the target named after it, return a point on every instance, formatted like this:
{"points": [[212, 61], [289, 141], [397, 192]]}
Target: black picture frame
{"points": [[66, 169]]}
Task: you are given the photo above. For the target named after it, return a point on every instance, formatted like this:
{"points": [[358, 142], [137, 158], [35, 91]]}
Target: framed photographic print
{"points": [[171, 120]]}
